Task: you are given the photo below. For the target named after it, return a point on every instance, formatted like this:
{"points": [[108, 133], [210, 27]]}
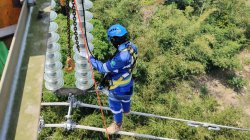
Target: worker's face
{"points": [[115, 42]]}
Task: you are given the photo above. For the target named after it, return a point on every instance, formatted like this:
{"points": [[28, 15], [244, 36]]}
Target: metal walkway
{"points": [[103, 130], [73, 103], [21, 83], [192, 123], [70, 125]]}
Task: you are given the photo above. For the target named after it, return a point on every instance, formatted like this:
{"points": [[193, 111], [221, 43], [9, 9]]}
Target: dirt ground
{"points": [[225, 95]]}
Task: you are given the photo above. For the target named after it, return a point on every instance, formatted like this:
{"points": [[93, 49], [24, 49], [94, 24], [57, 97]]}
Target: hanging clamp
{"points": [[69, 125], [41, 124], [193, 124], [70, 65], [211, 127], [216, 128], [31, 2], [73, 101]]}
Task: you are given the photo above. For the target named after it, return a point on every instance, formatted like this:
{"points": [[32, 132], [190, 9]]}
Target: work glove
{"points": [[103, 90]]}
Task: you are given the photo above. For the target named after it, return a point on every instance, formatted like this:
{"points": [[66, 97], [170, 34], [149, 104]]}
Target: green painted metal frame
{"points": [[3, 56], [22, 79]]}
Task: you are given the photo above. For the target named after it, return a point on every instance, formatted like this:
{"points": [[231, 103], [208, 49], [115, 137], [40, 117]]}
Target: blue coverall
{"points": [[118, 66]]}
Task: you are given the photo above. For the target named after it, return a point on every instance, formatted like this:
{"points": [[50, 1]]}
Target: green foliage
{"points": [[196, 39], [224, 56], [49, 97], [246, 61], [183, 39], [62, 29], [198, 5], [148, 2], [236, 82], [69, 79], [102, 49], [204, 90], [182, 4], [140, 72], [111, 12]]}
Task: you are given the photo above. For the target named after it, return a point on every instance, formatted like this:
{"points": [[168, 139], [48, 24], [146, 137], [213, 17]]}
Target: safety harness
{"points": [[126, 77]]}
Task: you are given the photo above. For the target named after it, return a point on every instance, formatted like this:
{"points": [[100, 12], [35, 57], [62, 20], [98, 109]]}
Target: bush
{"points": [[204, 90], [236, 82], [198, 5]]}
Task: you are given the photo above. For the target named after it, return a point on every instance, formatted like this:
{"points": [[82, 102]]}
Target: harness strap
{"points": [[133, 59], [126, 77], [120, 82]]}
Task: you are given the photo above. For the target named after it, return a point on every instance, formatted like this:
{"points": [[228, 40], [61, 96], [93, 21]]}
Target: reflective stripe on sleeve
{"points": [[125, 75], [128, 66], [105, 67]]}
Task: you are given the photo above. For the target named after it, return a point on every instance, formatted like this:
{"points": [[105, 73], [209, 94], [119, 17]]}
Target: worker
{"points": [[119, 70]]}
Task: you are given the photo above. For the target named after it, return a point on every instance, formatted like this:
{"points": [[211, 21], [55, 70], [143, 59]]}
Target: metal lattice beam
{"points": [[22, 80]]}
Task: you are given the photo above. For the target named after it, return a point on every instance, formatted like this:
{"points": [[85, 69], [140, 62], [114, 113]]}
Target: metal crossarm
{"points": [[192, 123], [103, 130]]}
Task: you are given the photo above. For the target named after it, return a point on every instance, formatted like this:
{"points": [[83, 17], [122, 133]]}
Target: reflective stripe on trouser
{"points": [[117, 105]]}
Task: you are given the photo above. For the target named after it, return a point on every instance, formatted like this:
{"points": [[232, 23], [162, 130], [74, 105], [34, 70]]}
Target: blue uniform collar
{"points": [[123, 46]]}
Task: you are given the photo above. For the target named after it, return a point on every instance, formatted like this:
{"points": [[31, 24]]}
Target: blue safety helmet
{"points": [[116, 30]]}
